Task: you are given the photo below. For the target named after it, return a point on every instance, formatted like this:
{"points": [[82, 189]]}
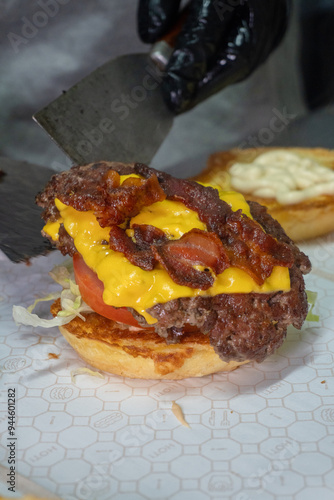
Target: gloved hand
{"points": [[221, 43]]}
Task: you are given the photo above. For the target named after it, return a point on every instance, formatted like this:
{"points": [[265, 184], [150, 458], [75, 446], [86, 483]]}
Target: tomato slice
{"points": [[91, 289]]}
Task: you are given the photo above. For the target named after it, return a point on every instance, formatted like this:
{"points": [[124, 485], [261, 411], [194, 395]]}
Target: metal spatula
{"points": [[20, 218], [117, 112]]}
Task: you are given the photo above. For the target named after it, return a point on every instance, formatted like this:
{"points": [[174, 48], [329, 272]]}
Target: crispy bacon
{"points": [[140, 252], [178, 257], [196, 247], [145, 234], [128, 200], [247, 245], [97, 187], [234, 239]]}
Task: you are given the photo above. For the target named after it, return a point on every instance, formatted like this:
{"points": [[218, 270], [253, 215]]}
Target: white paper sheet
{"points": [[264, 431]]}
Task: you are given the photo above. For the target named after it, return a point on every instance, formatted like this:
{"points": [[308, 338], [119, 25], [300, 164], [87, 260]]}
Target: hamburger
{"points": [[182, 279]]}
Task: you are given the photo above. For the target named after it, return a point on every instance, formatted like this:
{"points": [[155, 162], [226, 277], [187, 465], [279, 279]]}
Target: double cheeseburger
{"points": [[184, 279]]}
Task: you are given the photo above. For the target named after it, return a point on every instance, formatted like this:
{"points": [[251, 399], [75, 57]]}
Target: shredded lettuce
{"points": [[72, 304], [63, 274], [80, 371], [51, 296], [22, 316], [311, 299]]}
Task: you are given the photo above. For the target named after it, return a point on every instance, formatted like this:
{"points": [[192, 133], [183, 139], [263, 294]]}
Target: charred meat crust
{"points": [[240, 326], [67, 246], [97, 188], [74, 181], [271, 226]]}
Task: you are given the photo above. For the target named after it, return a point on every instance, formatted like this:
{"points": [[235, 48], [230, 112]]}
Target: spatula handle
{"points": [[163, 48]]}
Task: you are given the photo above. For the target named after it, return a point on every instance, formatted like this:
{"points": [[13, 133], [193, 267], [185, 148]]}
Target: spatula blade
{"points": [[20, 218], [115, 113]]}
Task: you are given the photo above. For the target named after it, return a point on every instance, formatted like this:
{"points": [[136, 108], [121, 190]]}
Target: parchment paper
{"points": [[264, 431]]}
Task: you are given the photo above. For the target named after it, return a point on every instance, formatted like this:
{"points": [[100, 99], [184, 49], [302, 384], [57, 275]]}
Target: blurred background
{"points": [[46, 46]]}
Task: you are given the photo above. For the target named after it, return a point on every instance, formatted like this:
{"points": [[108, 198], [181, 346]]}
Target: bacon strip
{"points": [[247, 245], [196, 247], [139, 253], [178, 257], [145, 234], [97, 187], [127, 201], [232, 239]]}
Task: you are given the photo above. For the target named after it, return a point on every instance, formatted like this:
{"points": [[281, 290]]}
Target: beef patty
{"points": [[240, 326]]}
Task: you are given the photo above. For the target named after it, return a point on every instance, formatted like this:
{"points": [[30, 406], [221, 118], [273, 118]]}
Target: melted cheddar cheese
{"points": [[126, 285]]}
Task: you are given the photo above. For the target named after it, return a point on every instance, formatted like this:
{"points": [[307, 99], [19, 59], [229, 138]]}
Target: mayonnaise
{"points": [[287, 177]]}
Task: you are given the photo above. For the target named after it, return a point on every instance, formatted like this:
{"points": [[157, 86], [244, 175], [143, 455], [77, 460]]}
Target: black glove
{"points": [[221, 43]]}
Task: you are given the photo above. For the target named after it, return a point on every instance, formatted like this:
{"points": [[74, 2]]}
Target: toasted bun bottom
{"points": [[134, 353], [301, 221]]}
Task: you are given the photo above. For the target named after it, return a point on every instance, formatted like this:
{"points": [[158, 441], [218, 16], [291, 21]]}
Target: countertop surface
{"points": [[264, 431]]}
